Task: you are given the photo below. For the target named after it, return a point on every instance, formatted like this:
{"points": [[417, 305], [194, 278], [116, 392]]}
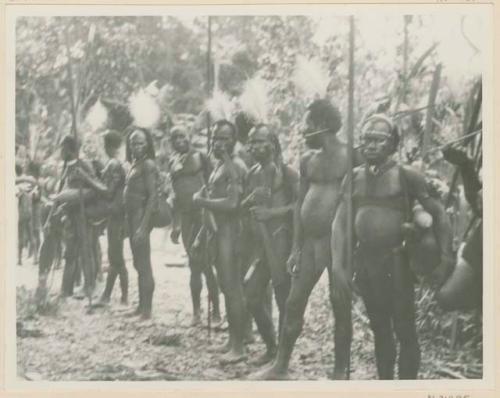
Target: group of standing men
{"points": [[262, 223]]}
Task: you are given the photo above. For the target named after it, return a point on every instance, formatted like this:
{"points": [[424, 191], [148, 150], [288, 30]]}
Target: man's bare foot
{"points": [[145, 316], [220, 349], [133, 313], [340, 375], [196, 320], [249, 338], [269, 373], [232, 357], [124, 301], [104, 300], [267, 357]]}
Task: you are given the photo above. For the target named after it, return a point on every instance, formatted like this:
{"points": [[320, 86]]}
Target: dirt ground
{"points": [[71, 345]]}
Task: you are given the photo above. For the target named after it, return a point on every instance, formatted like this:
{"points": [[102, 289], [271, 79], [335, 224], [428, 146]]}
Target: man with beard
{"points": [[321, 172], [189, 172], [222, 198], [383, 196], [271, 189]]}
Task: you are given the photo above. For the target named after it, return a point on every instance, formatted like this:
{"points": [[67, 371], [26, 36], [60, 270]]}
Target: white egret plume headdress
{"points": [[144, 108], [254, 100], [311, 78]]}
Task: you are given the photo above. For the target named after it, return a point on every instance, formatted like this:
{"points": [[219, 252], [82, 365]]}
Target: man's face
{"points": [[180, 141], [314, 140], [223, 141], [138, 144], [260, 145], [376, 142]]}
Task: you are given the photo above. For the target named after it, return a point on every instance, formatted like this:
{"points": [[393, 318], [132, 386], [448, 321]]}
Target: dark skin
{"points": [[189, 173], [140, 199], [385, 282], [222, 197], [321, 174], [269, 205]]}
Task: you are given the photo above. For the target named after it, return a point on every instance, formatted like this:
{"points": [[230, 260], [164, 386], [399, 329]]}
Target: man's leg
{"points": [[229, 270], [256, 298], [404, 322], [195, 283], [116, 261], [342, 316], [70, 265], [296, 304], [376, 291]]}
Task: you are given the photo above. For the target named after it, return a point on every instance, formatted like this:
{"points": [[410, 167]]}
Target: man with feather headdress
{"points": [[189, 170], [321, 172], [270, 190], [221, 197]]}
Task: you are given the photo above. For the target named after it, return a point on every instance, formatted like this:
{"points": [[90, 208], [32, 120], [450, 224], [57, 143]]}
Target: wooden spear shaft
{"points": [[430, 108], [209, 139], [350, 146]]}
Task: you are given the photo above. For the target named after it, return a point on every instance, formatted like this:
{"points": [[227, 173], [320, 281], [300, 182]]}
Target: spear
{"points": [[87, 255], [209, 138]]}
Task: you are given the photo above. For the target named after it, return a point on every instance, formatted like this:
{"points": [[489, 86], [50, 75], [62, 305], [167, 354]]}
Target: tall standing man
{"points": [[383, 194], [271, 190], [222, 197], [189, 172], [321, 172]]}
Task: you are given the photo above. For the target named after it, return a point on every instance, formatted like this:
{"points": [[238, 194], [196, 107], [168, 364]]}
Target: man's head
{"points": [[321, 118], [69, 148], [261, 143], [223, 138], [380, 139], [179, 137], [112, 142], [139, 144]]}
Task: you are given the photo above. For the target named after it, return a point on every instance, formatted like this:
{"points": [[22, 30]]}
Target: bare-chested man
{"points": [[223, 196], [321, 174], [383, 192], [140, 197], [270, 193], [189, 172]]}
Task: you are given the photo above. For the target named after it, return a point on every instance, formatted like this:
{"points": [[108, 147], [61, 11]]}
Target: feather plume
{"points": [[220, 106], [254, 100], [97, 116], [310, 77], [144, 109]]}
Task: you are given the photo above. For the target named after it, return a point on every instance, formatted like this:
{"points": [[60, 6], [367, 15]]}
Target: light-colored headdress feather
{"points": [[311, 78], [220, 106], [97, 116], [254, 100], [144, 109]]}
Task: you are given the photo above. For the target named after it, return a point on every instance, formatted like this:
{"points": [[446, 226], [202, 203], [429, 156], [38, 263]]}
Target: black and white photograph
{"points": [[228, 195]]}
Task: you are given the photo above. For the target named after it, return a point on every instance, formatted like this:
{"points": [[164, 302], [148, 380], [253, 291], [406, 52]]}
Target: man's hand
{"points": [[197, 196], [174, 235], [293, 262], [342, 286], [454, 155], [442, 271], [139, 236], [261, 213]]}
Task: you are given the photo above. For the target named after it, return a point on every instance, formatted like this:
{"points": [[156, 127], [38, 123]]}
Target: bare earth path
{"points": [[106, 345]]}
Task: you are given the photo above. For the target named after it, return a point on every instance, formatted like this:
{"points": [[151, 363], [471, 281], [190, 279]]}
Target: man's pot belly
{"points": [[318, 210], [378, 227]]}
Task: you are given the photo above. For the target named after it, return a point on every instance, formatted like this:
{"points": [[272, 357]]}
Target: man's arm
{"points": [[150, 176], [441, 224], [303, 188], [229, 202]]}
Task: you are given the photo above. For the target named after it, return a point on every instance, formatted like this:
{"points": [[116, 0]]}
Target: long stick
{"points": [[209, 139], [430, 108], [74, 126], [350, 160]]}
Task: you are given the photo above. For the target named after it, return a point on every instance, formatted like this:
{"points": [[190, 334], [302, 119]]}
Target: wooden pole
{"points": [[209, 139], [430, 108]]}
